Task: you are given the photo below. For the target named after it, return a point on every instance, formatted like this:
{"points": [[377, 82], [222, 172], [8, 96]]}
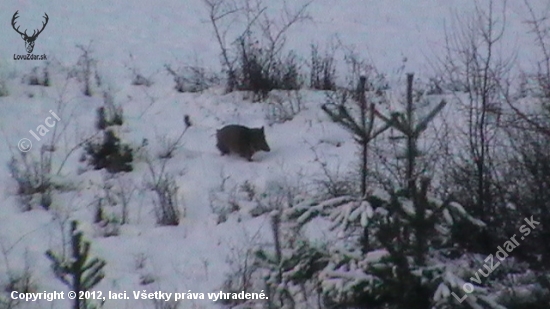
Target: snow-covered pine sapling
{"points": [[80, 272], [405, 124], [407, 228], [360, 123]]}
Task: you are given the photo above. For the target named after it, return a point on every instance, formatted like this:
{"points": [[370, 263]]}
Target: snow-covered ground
{"points": [[193, 255]]}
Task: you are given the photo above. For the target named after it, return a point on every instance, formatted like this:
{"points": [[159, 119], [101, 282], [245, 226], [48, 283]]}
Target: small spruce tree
{"points": [[80, 272], [360, 124], [110, 154], [411, 260]]}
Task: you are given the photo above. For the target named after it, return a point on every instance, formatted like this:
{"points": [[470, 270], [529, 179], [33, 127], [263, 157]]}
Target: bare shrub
{"points": [[38, 178], [170, 146], [278, 194], [282, 267], [138, 79], [110, 114], [260, 72], [37, 79], [249, 189], [252, 72], [167, 205], [323, 69], [286, 73], [243, 275], [146, 279], [5, 75], [3, 88], [190, 78], [225, 202], [21, 282], [33, 178], [222, 205], [246, 198], [108, 224], [124, 191], [333, 183], [4, 92], [141, 267], [85, 70], [473, 64], [112, 203], [251, 66], [284, 106]]}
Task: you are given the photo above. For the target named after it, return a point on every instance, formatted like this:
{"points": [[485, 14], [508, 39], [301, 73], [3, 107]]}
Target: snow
{"points": [[193, 255], [441, 292]]}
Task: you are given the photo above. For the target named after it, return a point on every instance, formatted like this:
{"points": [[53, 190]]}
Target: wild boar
{"points": [[241, 140]]}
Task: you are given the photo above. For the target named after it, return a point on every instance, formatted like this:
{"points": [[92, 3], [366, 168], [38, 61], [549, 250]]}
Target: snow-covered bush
{"points": [[396, 251], [285, 267]]}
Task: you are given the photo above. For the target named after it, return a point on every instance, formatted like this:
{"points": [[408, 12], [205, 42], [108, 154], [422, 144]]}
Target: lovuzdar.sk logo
{"points": [[29, 39]]}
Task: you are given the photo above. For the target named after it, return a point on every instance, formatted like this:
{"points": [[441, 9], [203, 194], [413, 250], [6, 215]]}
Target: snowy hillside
{"points": [[209, 243]]}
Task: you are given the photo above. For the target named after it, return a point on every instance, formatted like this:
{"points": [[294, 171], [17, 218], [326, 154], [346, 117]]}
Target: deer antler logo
{"points": [[29, 40]]}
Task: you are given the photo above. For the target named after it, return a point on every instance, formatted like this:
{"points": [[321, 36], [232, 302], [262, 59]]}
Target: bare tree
{"points": [[529, 135], [275, 32], [539, 27], [478, 75]]}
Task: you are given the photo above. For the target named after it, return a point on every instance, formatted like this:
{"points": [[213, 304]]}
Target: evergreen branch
{"points": [[422, 125], [90, 264], [94, 275]]}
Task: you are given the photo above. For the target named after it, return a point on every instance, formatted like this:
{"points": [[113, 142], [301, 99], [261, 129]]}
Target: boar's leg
{"points": [[223, 149], [247, 154]]}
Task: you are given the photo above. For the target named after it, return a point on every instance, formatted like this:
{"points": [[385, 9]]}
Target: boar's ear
{"points": [[262, 129]]}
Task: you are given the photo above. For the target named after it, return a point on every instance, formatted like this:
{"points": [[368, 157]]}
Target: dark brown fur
{"points": [[241, 140]]}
